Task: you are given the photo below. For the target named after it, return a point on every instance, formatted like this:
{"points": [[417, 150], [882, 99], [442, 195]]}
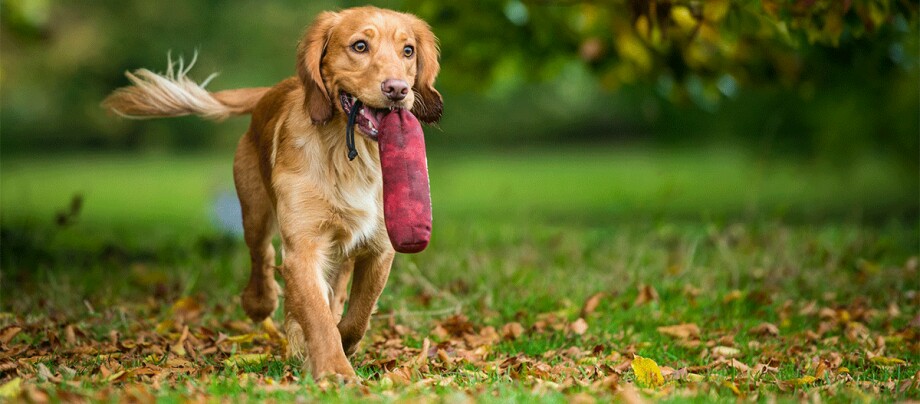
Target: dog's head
{"points": [[383, 58]]}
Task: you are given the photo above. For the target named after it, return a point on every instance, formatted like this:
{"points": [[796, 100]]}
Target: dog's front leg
{"points": [[306, 294], [370, 276]]}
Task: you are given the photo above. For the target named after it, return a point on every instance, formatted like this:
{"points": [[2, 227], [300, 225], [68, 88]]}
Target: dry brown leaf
{"points": [[70, 335], [630, 395], [761, 369], [7, 366], [739, 366], [422, 358], [8, 333], [764, 329], [440, 332], [579, 326], [681, 331], [646, 294], [512, 331], [591, 304]]}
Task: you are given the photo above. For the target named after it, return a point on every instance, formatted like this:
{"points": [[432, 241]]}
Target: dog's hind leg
{"points": [[260, 297]]}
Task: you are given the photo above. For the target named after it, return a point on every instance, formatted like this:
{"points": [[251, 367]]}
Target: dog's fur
{"points": [[292, 173]]}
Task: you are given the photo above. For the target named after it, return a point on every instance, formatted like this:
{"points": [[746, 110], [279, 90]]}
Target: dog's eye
{"points": [[359, 46], [408, 51]]}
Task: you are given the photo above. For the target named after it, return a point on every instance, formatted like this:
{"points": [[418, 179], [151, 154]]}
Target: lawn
{"points": [[550, 275]]}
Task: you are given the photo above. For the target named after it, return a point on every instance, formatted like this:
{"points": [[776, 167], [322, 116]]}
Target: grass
{"points": [[725, 240]]}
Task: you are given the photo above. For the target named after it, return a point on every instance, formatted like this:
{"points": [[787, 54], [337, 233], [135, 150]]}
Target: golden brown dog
{"points": [[292, 173]]}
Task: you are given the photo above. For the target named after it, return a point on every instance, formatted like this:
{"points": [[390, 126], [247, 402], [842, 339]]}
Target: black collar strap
{"points": [[350, 130]]}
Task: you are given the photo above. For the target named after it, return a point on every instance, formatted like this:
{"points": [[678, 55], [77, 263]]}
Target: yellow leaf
{"points": [[115, 376], [684, 19], [885, 361], [732, 387], [715, 10], [648, 374], [245, 338], [165, 326], [693, 377], [732, 296], [11, 388], [803, 381], [642, 26], [631, 48], [245, 359], [269, 326]]}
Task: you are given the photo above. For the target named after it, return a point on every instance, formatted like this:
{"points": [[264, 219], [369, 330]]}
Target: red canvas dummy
{"points": [[406, 195]]}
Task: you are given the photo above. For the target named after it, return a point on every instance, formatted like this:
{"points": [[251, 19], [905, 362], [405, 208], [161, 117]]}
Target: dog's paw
{"points": [[350, 339], [337, 369], [296, 344], [260, 300]]}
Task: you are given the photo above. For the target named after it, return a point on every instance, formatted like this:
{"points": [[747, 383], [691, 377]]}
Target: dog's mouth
{"points": [[368, 118]]}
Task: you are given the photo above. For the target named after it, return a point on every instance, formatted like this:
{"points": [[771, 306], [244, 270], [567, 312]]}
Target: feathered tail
{"points": [[170, 94]]}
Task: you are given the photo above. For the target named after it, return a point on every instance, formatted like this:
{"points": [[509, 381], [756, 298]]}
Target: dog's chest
{"points": [[356, 216]]}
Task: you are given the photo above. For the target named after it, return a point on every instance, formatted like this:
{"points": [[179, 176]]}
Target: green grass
{"points": [[728, 241]]}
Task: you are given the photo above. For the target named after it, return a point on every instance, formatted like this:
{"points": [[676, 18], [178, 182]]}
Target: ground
{"points": [[564, 275]]}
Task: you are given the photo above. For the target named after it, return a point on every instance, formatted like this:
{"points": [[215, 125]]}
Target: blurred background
{"points": [[556, 112]]}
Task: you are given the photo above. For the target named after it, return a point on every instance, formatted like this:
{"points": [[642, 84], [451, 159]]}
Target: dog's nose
{"points": [[394, 89]]}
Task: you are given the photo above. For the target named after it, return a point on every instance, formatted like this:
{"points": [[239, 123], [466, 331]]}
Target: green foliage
{"points": [[723, 43], [824, 77]]}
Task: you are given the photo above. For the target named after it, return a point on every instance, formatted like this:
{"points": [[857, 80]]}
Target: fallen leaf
{"points": [[802, 381], [646, 294], [246, 338], [731, 386], [579, 327], [695, 378], [8, 333], [186, 308], [732, 296], [761, 369], [245, 359], [629, 395], [764, 329], [12, 388], [422, 357], [117, 376], [681, 331], [884, 361], [647, 372], [70, 335], [591, 304], [269, 326], [512, 330], [726, 352]]}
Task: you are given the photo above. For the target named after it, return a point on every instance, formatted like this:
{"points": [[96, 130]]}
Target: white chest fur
{"points": [[358, 210]]}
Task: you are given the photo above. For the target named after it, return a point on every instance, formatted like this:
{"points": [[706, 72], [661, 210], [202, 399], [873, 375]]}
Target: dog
{"points": [[292, 174]]}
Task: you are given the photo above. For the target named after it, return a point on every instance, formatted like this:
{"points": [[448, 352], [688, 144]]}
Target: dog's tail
{"points": [[155, 95]]}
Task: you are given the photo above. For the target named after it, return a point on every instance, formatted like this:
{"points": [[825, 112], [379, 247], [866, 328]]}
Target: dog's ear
{"points": [[310, 54], [428, 102]]}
